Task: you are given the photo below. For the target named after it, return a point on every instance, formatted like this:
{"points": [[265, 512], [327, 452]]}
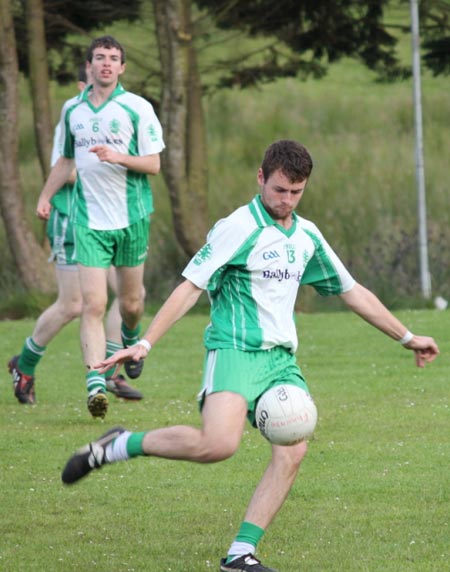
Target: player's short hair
{"points": [[290, 157], [107, 42], [82, 76]]}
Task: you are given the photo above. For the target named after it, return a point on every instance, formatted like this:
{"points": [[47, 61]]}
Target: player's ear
{"points": [[260, 177]]}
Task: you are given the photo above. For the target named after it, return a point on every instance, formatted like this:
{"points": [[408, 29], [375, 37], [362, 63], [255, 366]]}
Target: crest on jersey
{"points": [[203, 254], [152, 133], [114, 126]]}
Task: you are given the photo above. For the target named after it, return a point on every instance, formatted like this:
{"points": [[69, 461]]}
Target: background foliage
{"points": [[362, 191]]}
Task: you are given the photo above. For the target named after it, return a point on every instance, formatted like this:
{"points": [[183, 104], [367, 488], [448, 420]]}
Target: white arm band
{"points": [[406, 338], [147, 345]]}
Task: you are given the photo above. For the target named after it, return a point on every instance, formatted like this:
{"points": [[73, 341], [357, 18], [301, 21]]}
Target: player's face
{"points": [[106, 66], [280, 197]]}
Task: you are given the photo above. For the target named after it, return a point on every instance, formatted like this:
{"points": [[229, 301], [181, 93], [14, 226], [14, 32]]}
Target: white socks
{"points": [[117, 450], [238, 549]]}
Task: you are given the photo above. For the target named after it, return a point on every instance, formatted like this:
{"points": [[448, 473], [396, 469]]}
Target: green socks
{"points": [[30, 356], [95, 382], [129, 337], [111, 348], [246, 541], [125, 446], [134, 444]]}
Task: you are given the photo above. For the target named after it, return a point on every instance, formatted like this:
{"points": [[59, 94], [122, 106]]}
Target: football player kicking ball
{"points": [[251, 266]]}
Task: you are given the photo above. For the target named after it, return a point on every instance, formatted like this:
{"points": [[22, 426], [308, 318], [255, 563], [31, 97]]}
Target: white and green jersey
{"points": [[62, 200], [108, 196], [252, 268]]}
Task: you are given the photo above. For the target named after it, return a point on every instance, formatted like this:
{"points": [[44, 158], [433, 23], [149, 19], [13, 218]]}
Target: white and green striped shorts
{"points": [[122, 247], [60, 233], [249, 373]]}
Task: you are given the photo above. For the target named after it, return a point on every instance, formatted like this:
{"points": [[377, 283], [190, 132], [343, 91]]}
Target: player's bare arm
{"points": [[182, 299], [149, 164], [364, 303], [59, 175]]}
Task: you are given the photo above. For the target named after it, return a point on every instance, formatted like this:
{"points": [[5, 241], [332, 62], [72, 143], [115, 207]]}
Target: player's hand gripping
{"points": [[425, 349], [43, 208], [106, 154], [132, 353]]}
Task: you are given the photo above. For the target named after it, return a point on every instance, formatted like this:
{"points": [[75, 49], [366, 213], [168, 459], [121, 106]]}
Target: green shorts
{"points": [[103, 248], [249, 373], [60, 234]]}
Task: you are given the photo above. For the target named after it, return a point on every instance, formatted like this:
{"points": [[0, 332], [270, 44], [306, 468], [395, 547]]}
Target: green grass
{"points": [[372, 494]]}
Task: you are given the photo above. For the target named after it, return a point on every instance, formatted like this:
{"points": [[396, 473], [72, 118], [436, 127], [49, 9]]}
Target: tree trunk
{"points": [[29, 257], [184, 161], [39, 82]]}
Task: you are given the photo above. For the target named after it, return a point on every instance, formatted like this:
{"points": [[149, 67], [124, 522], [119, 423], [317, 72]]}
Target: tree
{"points": [[62, 20], [305, 37], [184, 161], [39, 82], [302, 38], [29, 257], [435, 24], [346, 32]]}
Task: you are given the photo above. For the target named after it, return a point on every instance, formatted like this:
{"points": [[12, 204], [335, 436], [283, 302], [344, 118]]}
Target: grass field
{"points": [[372, 494]]}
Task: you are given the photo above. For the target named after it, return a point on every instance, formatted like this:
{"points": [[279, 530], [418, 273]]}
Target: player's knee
{"points": [[131, 307], [298, 453], [73, 310], [92, 306], [218, 451], [292, 456], [216, 455], [69, 309]]}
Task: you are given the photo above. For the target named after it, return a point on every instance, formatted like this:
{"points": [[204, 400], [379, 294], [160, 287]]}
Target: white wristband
{"points": [[406, 338], [147, 345]]}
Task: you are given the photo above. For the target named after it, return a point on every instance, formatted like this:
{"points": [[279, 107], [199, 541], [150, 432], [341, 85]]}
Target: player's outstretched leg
{"points": [[89, 457], [247, 563]]}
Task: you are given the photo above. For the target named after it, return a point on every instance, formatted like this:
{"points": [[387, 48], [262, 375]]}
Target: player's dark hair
{"points": [[290, 157], [107, 42], [82, 76]]}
